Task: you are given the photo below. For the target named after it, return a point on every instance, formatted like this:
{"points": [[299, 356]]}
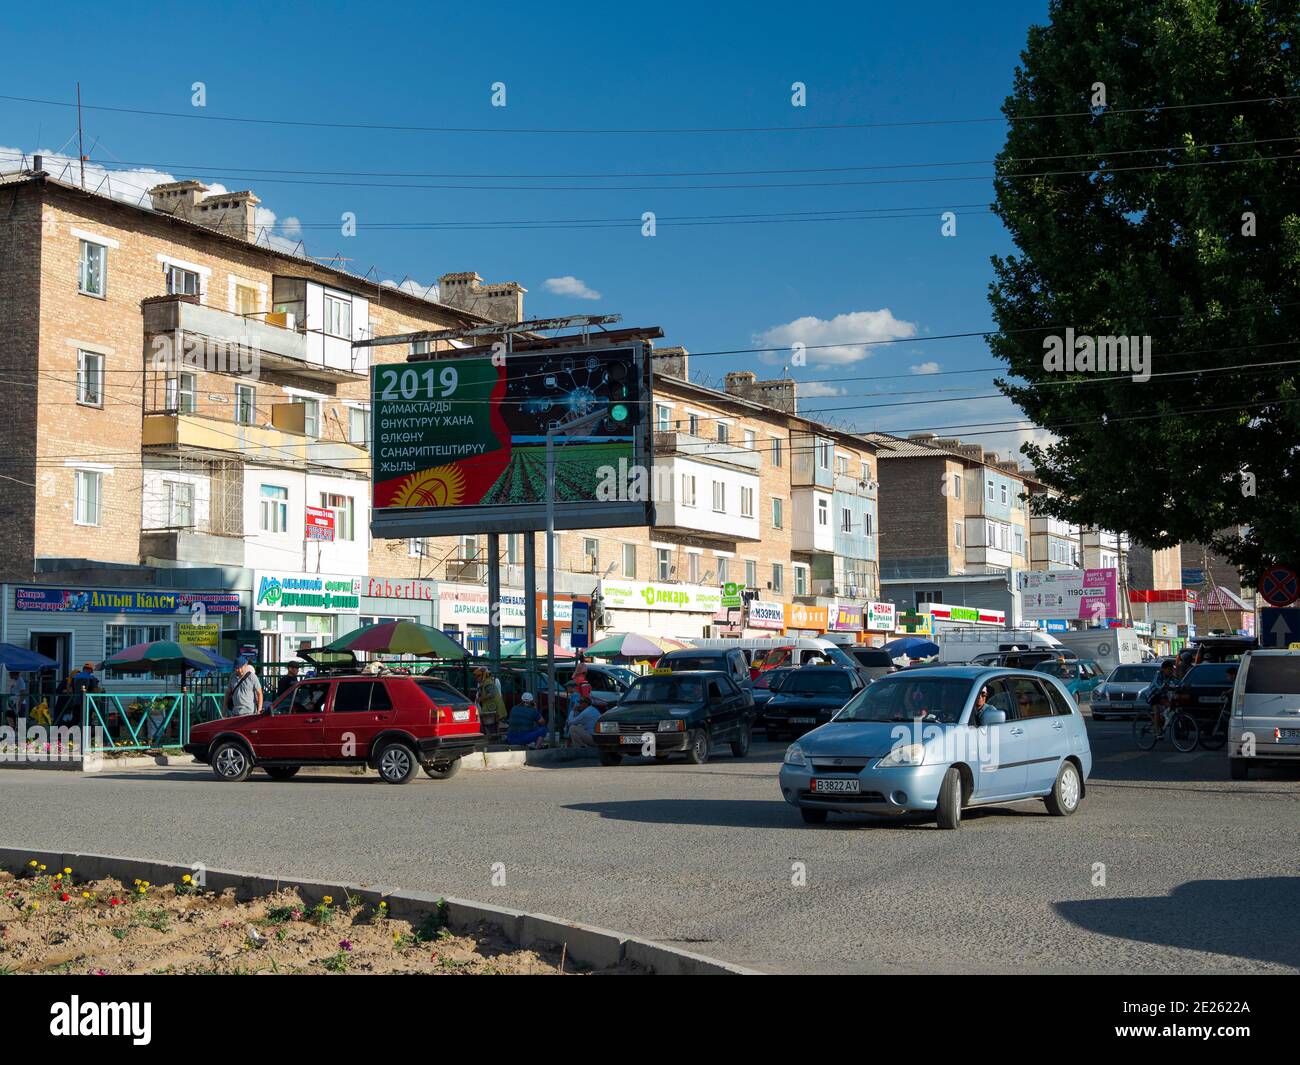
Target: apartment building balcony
{"points": [[211, 339], [812, 530], [191, 546], [197, 435], [465, 571], [699, 498], [728, 453]]}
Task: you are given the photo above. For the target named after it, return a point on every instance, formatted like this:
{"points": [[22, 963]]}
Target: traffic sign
{"points": [[579, 625], [1278, 628], [1279, 585]]}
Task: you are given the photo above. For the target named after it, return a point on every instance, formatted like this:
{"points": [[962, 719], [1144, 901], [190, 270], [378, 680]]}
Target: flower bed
{"points": [[52, 923]]}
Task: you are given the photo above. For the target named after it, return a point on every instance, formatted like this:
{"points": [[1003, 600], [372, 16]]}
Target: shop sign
{"points": [[307, 593]]}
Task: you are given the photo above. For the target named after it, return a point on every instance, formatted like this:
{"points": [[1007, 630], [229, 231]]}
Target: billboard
{"points": [[458, 443], [1073, 594]]}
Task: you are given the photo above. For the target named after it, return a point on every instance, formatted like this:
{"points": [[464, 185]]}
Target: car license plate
{"points": [[803, 721], [630, 740], [1210, 699], [460, 715], [1288, 733], [822, 784]]}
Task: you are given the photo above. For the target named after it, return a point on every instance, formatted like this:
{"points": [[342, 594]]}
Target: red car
{"points": [[397, 724]]}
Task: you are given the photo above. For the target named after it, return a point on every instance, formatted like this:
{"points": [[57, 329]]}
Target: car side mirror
{"points": [[993, 716]]}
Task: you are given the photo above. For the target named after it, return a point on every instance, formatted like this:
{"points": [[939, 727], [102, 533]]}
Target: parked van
{"points": [[1264, 728], [730, 661], [966, 645]]}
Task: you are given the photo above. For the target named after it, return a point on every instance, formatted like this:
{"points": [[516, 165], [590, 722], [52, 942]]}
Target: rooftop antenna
{"points": [[81, 146]]}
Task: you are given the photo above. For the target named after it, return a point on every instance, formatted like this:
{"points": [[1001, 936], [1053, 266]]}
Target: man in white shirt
{"points": [[582, 725]]}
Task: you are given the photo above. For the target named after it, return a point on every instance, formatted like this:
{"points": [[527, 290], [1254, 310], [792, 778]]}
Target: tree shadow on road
{"points": [[1250, 918]]}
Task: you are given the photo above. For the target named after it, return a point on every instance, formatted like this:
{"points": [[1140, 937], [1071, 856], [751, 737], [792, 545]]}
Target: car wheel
{"points": [[396, 763], [1238, 768], [740, 747], [948, 815], [443, 770], [698, 752], [1066, 793], [231, 762], [609, 758], [812, 817], [282, 772]]}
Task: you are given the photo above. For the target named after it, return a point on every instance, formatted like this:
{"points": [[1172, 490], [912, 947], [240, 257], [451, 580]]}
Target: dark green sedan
{"points": [[680, 712]]}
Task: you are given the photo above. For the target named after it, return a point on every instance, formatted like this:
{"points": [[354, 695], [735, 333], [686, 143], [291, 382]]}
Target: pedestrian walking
{"points": [[244, 694]]}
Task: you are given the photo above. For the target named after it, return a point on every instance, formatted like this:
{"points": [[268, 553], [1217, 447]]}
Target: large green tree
{"points": [[1172, 211]]}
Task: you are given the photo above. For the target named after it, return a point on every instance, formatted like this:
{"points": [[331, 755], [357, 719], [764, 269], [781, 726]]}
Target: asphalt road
{"points": [[1200, 873]]}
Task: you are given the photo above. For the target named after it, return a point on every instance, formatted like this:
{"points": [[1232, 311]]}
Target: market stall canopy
{"points": [[631, 645], [399, 638], [162, 657], [519, 648], [20, 660]]}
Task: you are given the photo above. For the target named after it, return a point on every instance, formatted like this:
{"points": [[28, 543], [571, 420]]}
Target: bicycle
{"points": [[1218, 734], [1183, 731]]}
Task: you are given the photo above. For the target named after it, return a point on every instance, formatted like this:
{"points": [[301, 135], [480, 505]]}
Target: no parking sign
{"points": [[1279, 586]]}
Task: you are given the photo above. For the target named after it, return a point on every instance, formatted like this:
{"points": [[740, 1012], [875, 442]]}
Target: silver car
{"points": [[1120, 694], [1265, 725]]}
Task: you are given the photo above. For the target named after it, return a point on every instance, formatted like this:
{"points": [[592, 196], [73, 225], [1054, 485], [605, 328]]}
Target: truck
{"points": [[963, 645], [1107, 647]]}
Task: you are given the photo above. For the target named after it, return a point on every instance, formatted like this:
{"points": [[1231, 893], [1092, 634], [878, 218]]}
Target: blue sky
{"points": [[712, 287]]}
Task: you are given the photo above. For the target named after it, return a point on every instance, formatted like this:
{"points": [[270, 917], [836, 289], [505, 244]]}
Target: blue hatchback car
{"points": [[943, 739]]}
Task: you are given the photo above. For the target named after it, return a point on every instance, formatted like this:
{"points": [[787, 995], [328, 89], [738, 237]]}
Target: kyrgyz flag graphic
{"points": [[443, 451]]}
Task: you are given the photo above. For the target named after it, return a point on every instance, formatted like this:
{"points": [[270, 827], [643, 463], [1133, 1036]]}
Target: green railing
{"points": [[145, 721]]}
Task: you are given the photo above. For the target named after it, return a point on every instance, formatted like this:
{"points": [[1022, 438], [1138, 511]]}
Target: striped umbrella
{"points": [[399, 638], [163, 657], [630, 645], [518, 648]]}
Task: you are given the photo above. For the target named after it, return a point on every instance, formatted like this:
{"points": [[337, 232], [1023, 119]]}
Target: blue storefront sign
{"points": [[115, 601]]}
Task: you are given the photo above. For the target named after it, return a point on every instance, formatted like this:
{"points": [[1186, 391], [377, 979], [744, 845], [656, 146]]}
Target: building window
{"points": [[722, 432], [929, 597], [693, 568], [719, 497], [722, 569], [776, 451], [746, 502], [1002, 494], [823, 454], [663, 563], [662, 418], [92, 272], [119, 637], [246, 301], [310, 415], [358, 426], [338, 317], [181, 282], [245, 404], [688, 490], [629, 561], [778, 577], [275, 508], [416, 547], [823, 513], [842, 465], [344, 514], [421, 347], [89, 486], [180, 504], [693, 424], [469, 549], [749, 438], [988, 489], [515, 549], [751, 573], [182, 393], [956, 533], [1020, 540], [778, 516], [956, 486], [591, 553], [846, 520], [90, 379], [801, 580], [867, 527]]}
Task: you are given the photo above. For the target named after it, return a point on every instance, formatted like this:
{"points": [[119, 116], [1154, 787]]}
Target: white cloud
{"points": [[835, 341], [817, 389], [994, 423], [926, 367], [132, 184], [415, 288], [570, 286]]}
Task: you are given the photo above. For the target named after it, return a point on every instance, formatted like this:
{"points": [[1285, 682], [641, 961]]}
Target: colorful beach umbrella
{"points": [[163, 657], [399, 638], [631, 645], [518, 648]]}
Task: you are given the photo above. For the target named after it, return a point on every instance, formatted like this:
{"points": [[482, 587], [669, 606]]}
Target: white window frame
{"points": [[751, 573], [183, 387], [629, 561], [591, 553], [778, 577], [778, 512], [746, 502], [688, 490], [81, 512], [663, 564], [245, 409], [84, 272], [800, 580], [311, 416], [988, 489], [1002, 492], [361, 414], [85, 396], [958, 534], [175, 507], [273, 509], [331, 321], [663, 418], [823, 513], [777, 457], [719, 497], [344, 508]]}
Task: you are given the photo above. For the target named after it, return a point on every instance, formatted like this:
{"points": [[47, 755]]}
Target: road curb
{"points": [[584, 944]]}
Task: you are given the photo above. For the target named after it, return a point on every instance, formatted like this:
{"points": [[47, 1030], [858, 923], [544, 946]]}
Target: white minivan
{"points": [[1264, 727]]}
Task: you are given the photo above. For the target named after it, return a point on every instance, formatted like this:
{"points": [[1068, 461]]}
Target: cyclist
{"points": [[1158, 691]]}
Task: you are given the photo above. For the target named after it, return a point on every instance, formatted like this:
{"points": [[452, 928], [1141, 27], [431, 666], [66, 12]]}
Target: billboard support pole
{"points": [[554, 699], [494, 600], [530, 608]]}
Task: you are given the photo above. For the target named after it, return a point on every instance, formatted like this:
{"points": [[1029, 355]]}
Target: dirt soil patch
{"points": [[51, 922]]}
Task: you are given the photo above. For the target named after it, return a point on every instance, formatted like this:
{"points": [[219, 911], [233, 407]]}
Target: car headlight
{"points": [[903, 754], [676, 725], [794, 756], [606, 726]]}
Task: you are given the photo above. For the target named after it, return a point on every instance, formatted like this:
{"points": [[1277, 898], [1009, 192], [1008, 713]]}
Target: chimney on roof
{"points": [[779, 393], [671, 362], [922, 438], [500, 302], [38, 163], [232, 213]]}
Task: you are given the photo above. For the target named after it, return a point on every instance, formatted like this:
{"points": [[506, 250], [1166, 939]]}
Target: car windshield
{"points": [[901, 698], [441, 692], [666, 689], [1211, 673], [1273, 675], [627, 676], [1132, 675], [873, 658], [839, 657], [771, 678], [693, 662], [818, 680]]}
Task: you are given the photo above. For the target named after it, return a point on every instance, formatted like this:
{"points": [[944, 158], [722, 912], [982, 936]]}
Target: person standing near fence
{"points": [[83, 684], [244, 695]]}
